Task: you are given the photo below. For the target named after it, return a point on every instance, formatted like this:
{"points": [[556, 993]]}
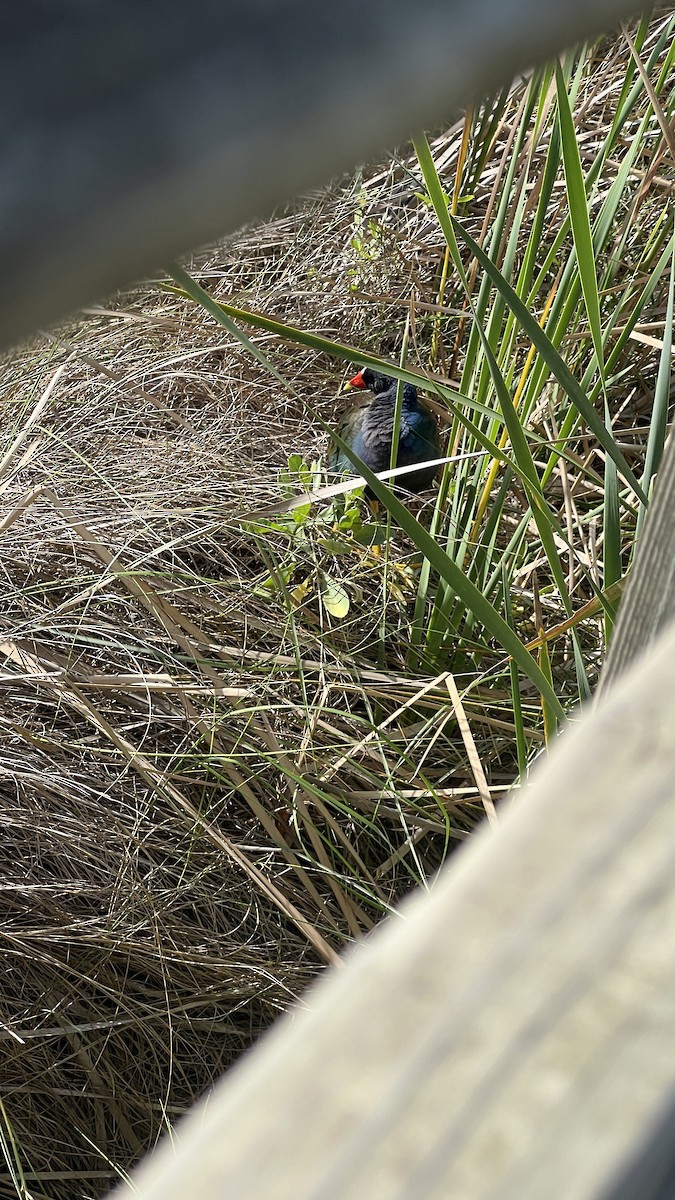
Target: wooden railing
{"points": [[511, 1035]]}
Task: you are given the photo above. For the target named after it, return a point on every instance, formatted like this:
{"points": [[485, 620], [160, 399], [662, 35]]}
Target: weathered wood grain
{"points": [[509, 1036], [130, 132], [649, 600]]}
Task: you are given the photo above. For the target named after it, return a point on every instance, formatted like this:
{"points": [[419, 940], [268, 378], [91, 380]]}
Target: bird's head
{"points": [[372, 380]]}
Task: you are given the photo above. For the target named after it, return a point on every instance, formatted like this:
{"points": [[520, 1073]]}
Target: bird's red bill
{"points": [[357, 381]]}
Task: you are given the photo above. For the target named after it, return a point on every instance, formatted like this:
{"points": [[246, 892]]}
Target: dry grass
{"points": [[205, 793], [149, 694]]}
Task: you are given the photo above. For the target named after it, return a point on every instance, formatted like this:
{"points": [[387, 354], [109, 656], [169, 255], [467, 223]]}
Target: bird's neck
{"points": [[388, 399]]}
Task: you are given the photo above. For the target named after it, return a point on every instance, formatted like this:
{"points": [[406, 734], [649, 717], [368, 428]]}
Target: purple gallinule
{"points": [[368, 430]]}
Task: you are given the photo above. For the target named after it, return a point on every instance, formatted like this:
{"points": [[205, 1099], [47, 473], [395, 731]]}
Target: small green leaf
{"points": [[350, 520], [295, 463], [334, 597], [274, 582], [301, 513], [370, 535], [336, 545]]}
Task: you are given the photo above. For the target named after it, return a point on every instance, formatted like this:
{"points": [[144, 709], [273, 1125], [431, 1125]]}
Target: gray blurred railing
{"points": [[131, 130]]}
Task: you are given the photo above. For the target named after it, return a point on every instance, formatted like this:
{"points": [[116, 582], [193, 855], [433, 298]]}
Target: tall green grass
{"points": [[548, 311]]}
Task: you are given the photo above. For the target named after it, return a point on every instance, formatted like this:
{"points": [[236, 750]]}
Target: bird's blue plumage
{"points": [[368, 432]]}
